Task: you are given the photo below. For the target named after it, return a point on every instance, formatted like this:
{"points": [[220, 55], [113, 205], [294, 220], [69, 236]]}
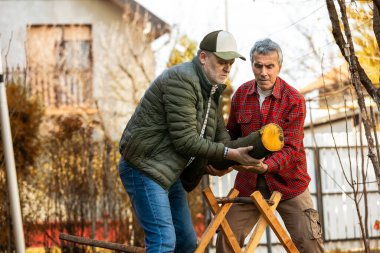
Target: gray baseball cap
{"points": [[222, 44]]}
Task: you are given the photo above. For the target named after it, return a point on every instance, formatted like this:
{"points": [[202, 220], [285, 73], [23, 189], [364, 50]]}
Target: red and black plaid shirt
{"points": [[287, 170]]}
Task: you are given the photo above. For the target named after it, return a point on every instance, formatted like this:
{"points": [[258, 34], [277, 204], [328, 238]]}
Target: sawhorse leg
{"points": [[261, 225], [219, 219], [267, 217], [267, 213]]}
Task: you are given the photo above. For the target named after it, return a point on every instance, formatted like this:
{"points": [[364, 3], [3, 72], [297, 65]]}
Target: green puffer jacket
{"points": [[163, 132]]}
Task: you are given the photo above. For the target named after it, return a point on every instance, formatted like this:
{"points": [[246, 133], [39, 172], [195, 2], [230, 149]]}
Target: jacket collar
{"points": [[204, 82]]}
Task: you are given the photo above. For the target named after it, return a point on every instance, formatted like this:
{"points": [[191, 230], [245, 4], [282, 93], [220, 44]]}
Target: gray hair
{"points": [[264, 47]]}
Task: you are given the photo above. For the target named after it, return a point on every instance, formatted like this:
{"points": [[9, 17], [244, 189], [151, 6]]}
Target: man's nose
{"points": [[264, 72], [227, 67]]}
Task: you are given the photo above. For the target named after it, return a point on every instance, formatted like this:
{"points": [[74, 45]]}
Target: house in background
{"points": [[90, 57]]}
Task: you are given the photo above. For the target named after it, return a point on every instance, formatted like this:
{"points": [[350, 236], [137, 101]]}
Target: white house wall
{"points": [[17, 15], [338, 133], [102, 15]]}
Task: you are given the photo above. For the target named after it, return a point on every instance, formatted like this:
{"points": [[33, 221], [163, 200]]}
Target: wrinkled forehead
{"points": [[270, 57]]}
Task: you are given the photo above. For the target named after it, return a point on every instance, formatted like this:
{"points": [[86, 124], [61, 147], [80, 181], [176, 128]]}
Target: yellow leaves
{"points": [[367, 50], [184, 50], [362, 12], [226, 100], [228, 82], [369, 57]]}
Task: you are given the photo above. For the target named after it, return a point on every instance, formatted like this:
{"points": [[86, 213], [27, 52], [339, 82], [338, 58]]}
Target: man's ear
{"points": [[202, 57]]}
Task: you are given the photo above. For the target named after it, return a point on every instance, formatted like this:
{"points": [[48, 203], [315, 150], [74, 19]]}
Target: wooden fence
{"points": [[54, 87]]}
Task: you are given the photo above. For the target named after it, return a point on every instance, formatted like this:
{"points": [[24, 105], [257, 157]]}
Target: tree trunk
{"points": [[359, 78], [341, 42], [376, 21]]}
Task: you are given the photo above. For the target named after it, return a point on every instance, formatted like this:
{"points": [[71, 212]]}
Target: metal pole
{"points": [[269, 240], [14, 198], [206, 183], [226, 15]]}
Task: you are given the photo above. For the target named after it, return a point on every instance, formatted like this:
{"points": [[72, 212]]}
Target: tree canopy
{"points": [[361, 16]]}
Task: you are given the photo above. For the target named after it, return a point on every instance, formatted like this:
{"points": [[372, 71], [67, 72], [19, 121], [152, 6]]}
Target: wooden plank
{"points": [[219, 219], [101, 244], [226, 229], [272, 220], [261, 225]]}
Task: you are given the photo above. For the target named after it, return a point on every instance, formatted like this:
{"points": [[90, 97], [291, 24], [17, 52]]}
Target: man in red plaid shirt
{"points": [[269, 99]]}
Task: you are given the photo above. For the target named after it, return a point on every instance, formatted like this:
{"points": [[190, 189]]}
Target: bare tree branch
{"points": [[374, 130], [376, 3], [341, 42], [337, 33], [309, 38], [376, 21], [356, 81], [132, 78], [358, 76]]}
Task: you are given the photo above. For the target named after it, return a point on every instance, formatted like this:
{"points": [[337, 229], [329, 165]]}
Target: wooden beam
{"points": [[272, 220], [261, 225], [219, 219]]}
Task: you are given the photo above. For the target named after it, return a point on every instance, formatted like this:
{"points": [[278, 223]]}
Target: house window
{"points": [[59, 60]]}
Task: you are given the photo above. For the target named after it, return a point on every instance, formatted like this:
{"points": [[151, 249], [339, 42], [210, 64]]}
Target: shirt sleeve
{"points": [[292, 126]]}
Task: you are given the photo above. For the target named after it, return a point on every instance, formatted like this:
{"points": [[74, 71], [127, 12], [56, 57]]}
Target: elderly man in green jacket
{"points": [[178, 125]]}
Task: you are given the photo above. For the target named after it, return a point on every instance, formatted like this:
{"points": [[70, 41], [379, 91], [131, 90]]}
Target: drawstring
{"points": [[213, 90]]}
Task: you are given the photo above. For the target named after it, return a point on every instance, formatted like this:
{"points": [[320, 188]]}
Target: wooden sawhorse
{"points": [[267, 217]]}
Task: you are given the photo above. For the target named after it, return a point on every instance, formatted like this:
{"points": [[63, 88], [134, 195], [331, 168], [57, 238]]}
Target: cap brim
{"points": [[229, 55]]}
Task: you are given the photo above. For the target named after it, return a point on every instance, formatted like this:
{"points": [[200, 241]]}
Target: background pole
{"points": [[14, 198]]}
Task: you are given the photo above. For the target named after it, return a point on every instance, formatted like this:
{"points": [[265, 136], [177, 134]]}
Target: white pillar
{"points": [[14, 198]]}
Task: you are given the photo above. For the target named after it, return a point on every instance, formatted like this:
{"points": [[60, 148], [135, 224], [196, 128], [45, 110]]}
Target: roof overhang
{"points": [[157, 28], [338, 76]]}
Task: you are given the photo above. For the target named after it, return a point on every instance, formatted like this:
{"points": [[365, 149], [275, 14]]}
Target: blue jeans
{"points": [[164, 215]]}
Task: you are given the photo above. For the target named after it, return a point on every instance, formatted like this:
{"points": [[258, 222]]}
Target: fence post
{"points": [[318, 179]]}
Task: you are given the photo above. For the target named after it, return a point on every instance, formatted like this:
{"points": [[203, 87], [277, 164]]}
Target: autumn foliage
{"points": [[25, 118]]}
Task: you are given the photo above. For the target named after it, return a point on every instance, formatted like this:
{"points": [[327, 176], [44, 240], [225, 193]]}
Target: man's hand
{"points": [[241, 155], [259, 168], [214, 172]]}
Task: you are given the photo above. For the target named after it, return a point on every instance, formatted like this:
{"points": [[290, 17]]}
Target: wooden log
{"points": [[101, 244], [269, 139], [245, 200]]}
